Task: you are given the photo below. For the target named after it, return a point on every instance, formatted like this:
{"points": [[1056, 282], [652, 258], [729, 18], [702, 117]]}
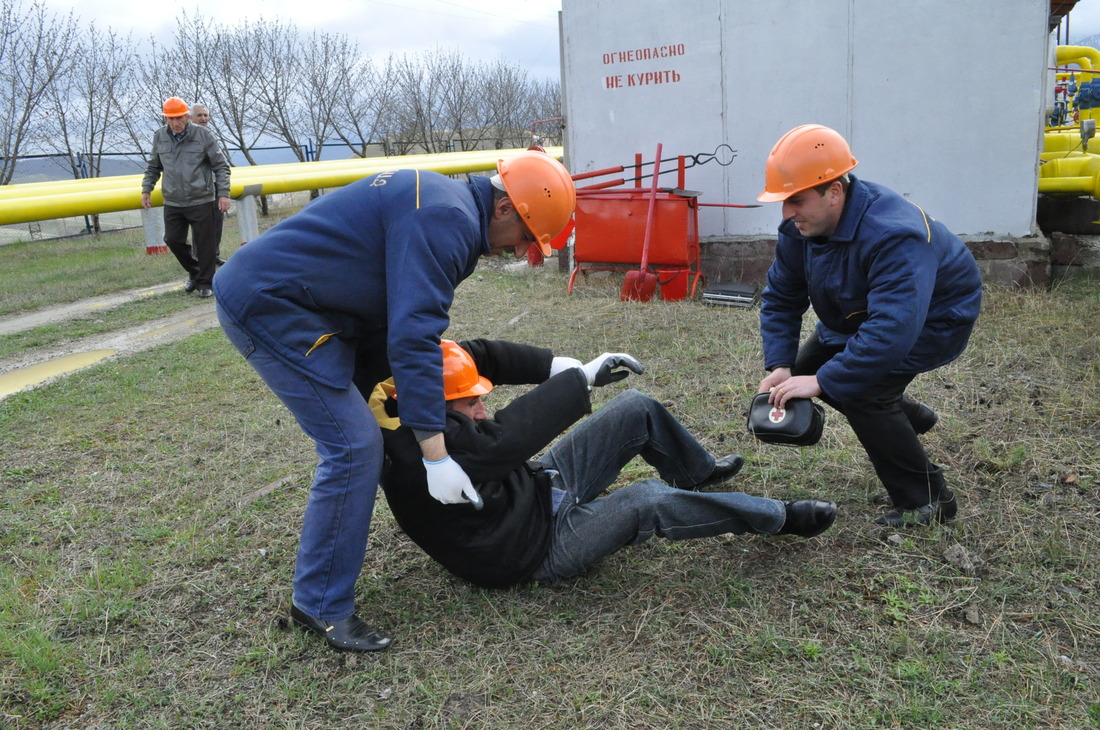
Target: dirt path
{"points": [[11, 324], [32, 368]]}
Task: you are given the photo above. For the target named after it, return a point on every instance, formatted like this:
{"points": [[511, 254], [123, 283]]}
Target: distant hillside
{"points": [[1092, 40]]}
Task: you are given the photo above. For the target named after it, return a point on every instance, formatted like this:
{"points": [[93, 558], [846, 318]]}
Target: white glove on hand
{"points": [[449, 484], [561, 364], [601, 371]]}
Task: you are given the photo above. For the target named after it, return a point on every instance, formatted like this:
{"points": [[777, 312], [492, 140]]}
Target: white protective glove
{"points": [[601, 371], [561, 364], [449, 484]]}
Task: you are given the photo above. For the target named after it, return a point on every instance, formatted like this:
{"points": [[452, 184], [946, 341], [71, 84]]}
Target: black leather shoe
{"points": [[808, 517], [218, 261], [724, 468], [923, 419], [347, 634], [189, 286], [942, 510], [205, 293]]}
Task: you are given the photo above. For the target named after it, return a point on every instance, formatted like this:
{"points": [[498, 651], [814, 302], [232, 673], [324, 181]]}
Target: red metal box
{"points": [[611, 228]]}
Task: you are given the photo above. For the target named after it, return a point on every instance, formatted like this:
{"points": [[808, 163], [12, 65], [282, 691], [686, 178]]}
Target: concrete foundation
{"points": [[1030, 262]]}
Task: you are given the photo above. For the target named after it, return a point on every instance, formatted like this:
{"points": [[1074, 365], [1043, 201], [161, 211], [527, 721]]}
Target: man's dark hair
{"points": [[844, 180]]}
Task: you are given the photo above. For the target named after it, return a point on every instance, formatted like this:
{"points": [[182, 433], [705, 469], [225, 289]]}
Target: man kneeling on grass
{"points": [[544, 519]]}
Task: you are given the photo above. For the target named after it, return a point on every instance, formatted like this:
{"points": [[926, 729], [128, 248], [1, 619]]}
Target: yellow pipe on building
{"points": [[1086, 57], [1077, 174], [109, 195]]}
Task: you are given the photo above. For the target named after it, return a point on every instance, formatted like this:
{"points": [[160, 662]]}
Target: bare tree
{"points": [[324, 60], [191, 57], [505, 112], [34, 50], [363, 99], [233, 83], [89, 102], [418, 101], [545, 107], [458, 104], [277, 48], [157, 79]]}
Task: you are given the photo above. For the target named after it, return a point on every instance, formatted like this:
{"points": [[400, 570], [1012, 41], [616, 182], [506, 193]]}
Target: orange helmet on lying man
{"points": [[460, 376], [541, 190]]}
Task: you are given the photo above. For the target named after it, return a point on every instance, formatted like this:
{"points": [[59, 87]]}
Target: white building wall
{"points": [[941, 100]]}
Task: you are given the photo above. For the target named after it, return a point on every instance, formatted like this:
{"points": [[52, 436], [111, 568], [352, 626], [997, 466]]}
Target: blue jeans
{"points": [[588, 459], [337, 517]]}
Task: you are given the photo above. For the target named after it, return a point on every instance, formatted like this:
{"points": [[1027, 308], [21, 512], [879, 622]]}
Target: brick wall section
{"points": [[1034, 261]]}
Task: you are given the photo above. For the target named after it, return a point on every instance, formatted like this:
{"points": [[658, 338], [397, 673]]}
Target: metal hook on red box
{"points": [[723, 154]]}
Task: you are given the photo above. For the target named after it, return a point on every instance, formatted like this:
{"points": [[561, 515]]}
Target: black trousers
{"points": [[880, 420], [199, 219], [219, 221]]}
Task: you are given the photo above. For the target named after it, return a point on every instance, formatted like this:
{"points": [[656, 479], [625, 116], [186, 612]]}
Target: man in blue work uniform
{"points": [[363, 278], [896, 294]]}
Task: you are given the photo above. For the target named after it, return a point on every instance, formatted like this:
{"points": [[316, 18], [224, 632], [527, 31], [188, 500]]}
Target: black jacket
{"points": [[504, 543]]}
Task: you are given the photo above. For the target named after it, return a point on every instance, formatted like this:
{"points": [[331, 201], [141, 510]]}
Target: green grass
{"points": [[144, 577], [39, 273]]}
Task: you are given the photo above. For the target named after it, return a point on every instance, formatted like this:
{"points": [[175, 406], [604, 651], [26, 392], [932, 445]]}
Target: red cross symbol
{"points": [[776, 415]]}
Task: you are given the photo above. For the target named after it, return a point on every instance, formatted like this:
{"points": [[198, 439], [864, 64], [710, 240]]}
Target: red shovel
{"points": [[641, 284]]}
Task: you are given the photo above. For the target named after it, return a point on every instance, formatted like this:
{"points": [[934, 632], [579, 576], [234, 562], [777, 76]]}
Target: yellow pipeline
{"points": [[1062, 142], [1066, 168], [1077, 173], [1084, 56], [46, 201], [245, 172]]}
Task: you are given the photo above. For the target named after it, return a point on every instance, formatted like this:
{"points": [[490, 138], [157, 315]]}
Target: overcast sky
{"points": [[520, 31], [1084, 20]]}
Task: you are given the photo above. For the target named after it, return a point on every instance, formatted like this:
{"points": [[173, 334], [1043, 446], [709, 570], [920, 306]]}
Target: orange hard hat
{"points": [[174, 107], [542, 191], [460, 376], [803, 158]]}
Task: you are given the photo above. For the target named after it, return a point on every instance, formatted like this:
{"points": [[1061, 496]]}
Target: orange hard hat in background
{"points": [[460, 376], [174, 107], [542, 191], [803, 158]]}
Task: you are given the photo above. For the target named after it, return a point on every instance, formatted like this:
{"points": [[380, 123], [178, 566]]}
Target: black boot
{"points": [[724, 468], [808, 517], [347, 634], [921, 417], [942, 510]]}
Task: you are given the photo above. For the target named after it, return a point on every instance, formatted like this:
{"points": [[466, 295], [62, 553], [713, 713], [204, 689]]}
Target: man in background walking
{"points": [[195, 176], [200, 115]]}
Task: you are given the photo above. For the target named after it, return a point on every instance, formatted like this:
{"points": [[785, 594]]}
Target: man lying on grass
{"points": [[544, 519]]}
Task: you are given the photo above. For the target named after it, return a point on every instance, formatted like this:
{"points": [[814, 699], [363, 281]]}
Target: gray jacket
{"points": [[195, 170]]}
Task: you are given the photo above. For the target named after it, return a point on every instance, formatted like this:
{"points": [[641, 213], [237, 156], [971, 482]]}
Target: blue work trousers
{"points": [[337, 517], [588, 459], [880, 420]]}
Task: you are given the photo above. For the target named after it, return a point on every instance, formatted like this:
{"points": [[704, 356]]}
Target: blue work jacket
{"points": [[891, 285], [376, 260]]}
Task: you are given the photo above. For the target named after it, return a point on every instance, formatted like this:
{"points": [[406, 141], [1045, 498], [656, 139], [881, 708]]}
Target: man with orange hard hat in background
{"points": [[195, 176], [896, 294], [361, 281]]}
